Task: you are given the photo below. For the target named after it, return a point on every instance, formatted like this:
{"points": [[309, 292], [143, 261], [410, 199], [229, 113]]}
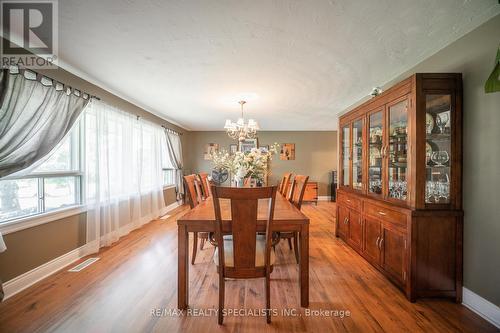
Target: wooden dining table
{"points": [[202, 219]]}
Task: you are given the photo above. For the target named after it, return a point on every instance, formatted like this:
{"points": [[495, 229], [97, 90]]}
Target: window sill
{"points": [[34, 220]]}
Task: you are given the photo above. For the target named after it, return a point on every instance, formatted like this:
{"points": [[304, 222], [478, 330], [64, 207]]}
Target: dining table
{"points": [[201, 218]]}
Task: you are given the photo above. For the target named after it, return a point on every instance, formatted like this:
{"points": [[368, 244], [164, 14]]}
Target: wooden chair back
{"points": [[205, 184], [298, 188], [244, 209], [285, 184], [190, 184]]}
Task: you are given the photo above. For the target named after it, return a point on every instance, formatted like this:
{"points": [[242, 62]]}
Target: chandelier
{"points": [[241, 130]]}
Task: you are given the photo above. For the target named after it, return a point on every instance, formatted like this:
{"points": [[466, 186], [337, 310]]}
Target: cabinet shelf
{"points": [[398, 164], [438, 136]]}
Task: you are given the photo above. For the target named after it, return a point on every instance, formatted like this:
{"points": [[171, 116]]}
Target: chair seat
{"points": [[260, 249]]}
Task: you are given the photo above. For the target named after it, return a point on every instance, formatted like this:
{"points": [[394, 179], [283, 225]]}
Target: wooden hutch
{"points": [[400, 184]]}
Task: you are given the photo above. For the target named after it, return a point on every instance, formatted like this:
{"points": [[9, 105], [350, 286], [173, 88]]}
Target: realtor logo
{"points": [[29, 31]]}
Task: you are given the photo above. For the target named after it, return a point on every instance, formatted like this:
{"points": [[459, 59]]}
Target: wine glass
{"points": [[444, 191], [429, 191], [440, 158], [442, 120]]}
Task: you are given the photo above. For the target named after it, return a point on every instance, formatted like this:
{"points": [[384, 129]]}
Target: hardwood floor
{"points": [[137, 276]]}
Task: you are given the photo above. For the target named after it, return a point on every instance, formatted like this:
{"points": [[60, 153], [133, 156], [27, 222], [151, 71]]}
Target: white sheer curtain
{"points": [[123, 172]]}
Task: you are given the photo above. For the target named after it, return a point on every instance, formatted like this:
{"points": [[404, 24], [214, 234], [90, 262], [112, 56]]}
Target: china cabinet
{"points": [[400, 189]]}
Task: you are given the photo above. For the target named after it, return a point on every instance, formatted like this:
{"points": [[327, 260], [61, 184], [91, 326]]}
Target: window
{"points": [[53, 185], [124, 156], [168, 177], [167, 167]]}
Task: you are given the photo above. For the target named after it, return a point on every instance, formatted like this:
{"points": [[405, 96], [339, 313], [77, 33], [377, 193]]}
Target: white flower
{"points": [[251, 164]]}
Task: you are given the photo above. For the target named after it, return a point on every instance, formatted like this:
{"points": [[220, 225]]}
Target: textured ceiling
{"points": [[307, 61]]}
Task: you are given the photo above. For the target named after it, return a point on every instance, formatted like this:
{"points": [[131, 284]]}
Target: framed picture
{"points": [[287, 151], [210, 148], [233, 148], [265, 146], [247, 145]]}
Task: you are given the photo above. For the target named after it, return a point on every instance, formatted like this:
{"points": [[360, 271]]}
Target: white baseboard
{"points": [[481, 306], [171, 207], [31, 277], [324, 198]]}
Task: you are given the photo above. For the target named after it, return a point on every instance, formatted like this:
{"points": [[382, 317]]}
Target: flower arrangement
{"points": [[221, 160], [253, 164]]}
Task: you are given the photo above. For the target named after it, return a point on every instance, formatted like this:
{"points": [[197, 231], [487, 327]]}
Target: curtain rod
{"points": [[165, 128], [39, 76], [171, 130]]}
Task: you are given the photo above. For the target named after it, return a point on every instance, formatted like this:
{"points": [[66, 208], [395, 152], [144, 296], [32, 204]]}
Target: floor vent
{"points": [[164, 217], [83, 265]]}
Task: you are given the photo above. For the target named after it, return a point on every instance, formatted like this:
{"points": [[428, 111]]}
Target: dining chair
{"points": [[205, 184], [285, 184], [296, 196], [242, 253], [192, 184], [298, 189]]}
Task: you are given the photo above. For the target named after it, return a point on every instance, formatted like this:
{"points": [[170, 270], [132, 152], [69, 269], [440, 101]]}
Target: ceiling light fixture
{"points": [[240, 129]]}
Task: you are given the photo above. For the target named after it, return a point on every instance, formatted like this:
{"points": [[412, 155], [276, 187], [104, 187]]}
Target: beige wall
{"points": [[81, 84], [474, 55], [32, 247], [169, 196], [315, 153]]}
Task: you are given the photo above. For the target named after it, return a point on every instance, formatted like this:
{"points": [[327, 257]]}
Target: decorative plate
{"points": [[429, 123], [375, 152], [428, 152]]}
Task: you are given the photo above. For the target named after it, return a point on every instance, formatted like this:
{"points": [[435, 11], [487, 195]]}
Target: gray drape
{"points": [[2, 248], [174, 150], [34, 117]]}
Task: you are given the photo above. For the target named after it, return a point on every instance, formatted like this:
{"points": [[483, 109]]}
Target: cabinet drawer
{"points": [[350, 201], [385, 214]]}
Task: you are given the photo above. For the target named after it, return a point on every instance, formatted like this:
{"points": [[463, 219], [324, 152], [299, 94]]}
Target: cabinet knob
{"points": [[376, 242], [382, 213]]}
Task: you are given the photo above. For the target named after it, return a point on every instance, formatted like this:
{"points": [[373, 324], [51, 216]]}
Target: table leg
{"points": [[304, 266], [182, 267]]}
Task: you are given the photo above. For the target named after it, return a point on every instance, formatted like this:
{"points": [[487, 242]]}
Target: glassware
{"points": [[442, 120], [346, 154], [398, 189], [357, 155], [398, 124], [438, 148], [375, 152], [440, 157]]}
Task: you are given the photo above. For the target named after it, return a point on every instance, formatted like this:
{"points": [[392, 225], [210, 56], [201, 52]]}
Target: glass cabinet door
{"points": [[357, 155], [438, 148], [397, 150], [346, 154], [375, 139]]}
